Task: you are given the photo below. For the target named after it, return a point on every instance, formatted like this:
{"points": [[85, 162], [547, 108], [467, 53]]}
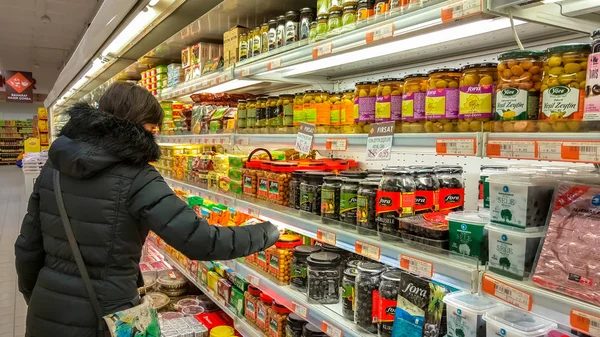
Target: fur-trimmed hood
{"points": [[93, 140]]}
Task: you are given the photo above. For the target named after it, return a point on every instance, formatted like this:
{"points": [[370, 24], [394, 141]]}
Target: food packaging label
{"points": [[516, 104], [592, 101], [451, 198], [509, 205], [511, 254], [476, 101], [442, 103], [462, 323], [425, 201], [388, 108], [562, 102], [413, 106], [298, 114], [366, 109], [468, 239], [348, 204], [327, 201], [250, 309]]}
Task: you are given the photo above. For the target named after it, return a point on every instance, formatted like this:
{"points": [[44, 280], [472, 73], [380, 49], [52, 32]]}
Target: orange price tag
{"points": [[300, 310], [322, 50], [245, 72], [380, 33], [507, 293], [274, 64], [326, 237], [416, 266], [584, 322], [331, 330], [336, 144], [365, 249], [522, 149], [586, 151], [461, 9], [456, 146]]}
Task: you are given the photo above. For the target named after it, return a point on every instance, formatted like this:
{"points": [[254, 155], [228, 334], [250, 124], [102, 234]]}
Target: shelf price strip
{"points": [[365, 249], [322, 50], [507, 293], [326, 237], [571, 151], [254, 280], [461, 9], [380, 33], [584, 322], [336, 144], [416, 266], [456, 146], [522, 149], [300, 310], [274, 64], [330, 329]]}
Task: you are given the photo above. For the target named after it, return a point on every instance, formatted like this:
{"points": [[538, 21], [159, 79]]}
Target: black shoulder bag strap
{"points": [[77, 253]]}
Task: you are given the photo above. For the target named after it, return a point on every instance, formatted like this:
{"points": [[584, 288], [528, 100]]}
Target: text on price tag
{"points": [[322, 50], [584, 322], [366, 249], [254, 280], [274, 64], [456, 146], [416, 266], [507, 293], [245, 72], [326, 237], [243, 141], [330, 329], [549, 150], [300, 310], [587, 151], [304, 138], [254, 212], [336, 144], [379, 141], [523, 149], [379, 33], [461, 9]]}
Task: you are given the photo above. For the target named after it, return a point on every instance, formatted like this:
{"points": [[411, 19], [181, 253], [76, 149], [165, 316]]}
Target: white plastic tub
{"points": [[465, 314], [510, 322]]}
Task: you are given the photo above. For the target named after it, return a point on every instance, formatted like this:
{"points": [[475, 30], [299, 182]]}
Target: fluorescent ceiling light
{"points": [[133, 29], [432, 38], [229, 86], [153, 3]]}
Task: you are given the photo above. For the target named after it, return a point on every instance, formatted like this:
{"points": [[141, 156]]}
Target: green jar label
{"points": [[327, 201], [362, 209], [348, 202]]}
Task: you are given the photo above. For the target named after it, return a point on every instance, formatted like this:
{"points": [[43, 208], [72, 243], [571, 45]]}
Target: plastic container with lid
{"points": [[511, 251], [251, 299], [347, 112], [395, 199], [307, 16], [262, 312], [477, 93], [294, 189], [280, 256], [324, 277], [365, 11], [452, 191], [563, 88], [348, 285], [442, 101], [291, 27], [365, 207], [310, 191], [414, 93], [310, 330], [279, 179], [386, 300], [330, 197], [510, 322], [294, 325], [520, 200], [348, 200], [484, 186], [468, 235], [465, 314], [365, 101], [389, 101], [367, 282], [278, 315], [299, 277], [518, 91], [381, 9], [222, 331], [429, 225]]}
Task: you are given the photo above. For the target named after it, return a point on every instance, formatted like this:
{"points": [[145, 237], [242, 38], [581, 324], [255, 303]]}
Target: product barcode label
{"points": [[300, 310], [522, 149], [507, 293], [456, 146], [380, 33], [581, 151], [330, 329], [366, 249], [586, 323], [322, 50], [461, 9], [416, 266], [326, 237], [274, 64], [254, 280], [336, 144]]}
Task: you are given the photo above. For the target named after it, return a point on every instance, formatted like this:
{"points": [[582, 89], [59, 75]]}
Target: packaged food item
{"points": [[335, 100], [264, 37], [285, 105], [250, 115], [312, 35], [243, 46], [257, 42], [395, 199], [442, 100], [236, 300], [172, 283], [330, 197], [251, 296], [386, 300], [298, 112], [347, 112], [568, 261], [310, 330], [324, 277], [261, 114], [278, 315], [348, 291], [484, 185], [294, 189], [511, 322], [241, 116], [465, 314], [272, 34], [299, 277], [280, 256], [334, 23], [262, 189], [452, 192], [321, 27], [366, 202], [563, 88], [512, 252], [349, 16], [323, 6], [307, 16], [517, 94], [279, 178], [414, 93], [291, 27], [365, 11], [468, 235], [429, 225], [367, 282], [262, 312], [294, 325], [520, 200], [280, 32], [348, 201], [427, 189], [477, 93], [388, 106], [310, 191], [365, 101]]}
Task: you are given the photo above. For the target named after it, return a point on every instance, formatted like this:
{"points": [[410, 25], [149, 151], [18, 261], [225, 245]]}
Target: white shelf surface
{"points": [[240, 324]]}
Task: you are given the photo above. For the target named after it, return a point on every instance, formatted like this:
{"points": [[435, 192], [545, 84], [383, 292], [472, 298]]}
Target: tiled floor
{"points": [[13, 205]]}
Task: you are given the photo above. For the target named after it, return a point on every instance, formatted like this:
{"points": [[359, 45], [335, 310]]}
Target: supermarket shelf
{"points": [[550, 305], [456, 272], [240, 324], [195, 139], [313, 312], [196, 85]]}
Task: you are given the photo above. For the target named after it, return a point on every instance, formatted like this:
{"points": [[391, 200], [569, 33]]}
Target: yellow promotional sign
{"points": [[32, 145]]}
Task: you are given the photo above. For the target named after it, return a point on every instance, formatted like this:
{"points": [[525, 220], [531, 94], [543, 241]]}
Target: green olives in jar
{"points": [[286, 109], [241, 116], [477, 89], [322, 27], [365, 103], [251, 116], [413, 103], [442, 100], [274, 119], [261, 114]]}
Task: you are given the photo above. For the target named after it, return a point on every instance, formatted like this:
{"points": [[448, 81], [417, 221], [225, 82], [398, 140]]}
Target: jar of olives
{"points": [[330, 198], [280, 256], [452, 192], [335, 99], [261, 114], [280, 32], [322, 27], [264, 37], [348, 201], [250, 115], [298, 111], [312, 34], [294, 190], [348, 291], [389, 101], [427, 189], [365, 207], [563, 88], [334, 23], [274, 119], [272, 35], [335, 5], [243, 47], [257, 44], [310, 330], [442, 100], [395, 199], [279, 179], [387, 301], [517, 93], [299, 266], [294, 325], [241, 116], [291, 27], [317, 110], [349, 17], [285, 105], [307, 16], [323, 6], [310, 191], [324, 277], [365, 10], [413, 103], [477, 92], [367, 282], [365, 105]]}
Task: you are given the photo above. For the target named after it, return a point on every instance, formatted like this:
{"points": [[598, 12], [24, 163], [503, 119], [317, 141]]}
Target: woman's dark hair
{"points": [[131, 102]]}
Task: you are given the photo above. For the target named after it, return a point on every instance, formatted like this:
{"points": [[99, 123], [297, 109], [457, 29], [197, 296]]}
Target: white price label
{"points": [[336, 144], [331, 330], [380, 33], [366, 249], [274, 64], [253, 212], [549, 150], [254, 280], [379, 141], [522, 149], [304, 138], [300, 310], [456, 146], [507, 293], [322, 50], [245, 72], [416, 266], [326, 237], [588, 151], [461, 9]]}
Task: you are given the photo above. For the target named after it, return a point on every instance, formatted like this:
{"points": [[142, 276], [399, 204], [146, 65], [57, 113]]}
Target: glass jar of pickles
{"points": [[250, 43], [264, 38], [291, 27], [389, 101], [365, 103], [441, 102], [241, 116], [563, 88], [317, 109], [381, 9], [250, 115], [322, 27], [281, 255], [347, 112], [298, 110], [477, 89], [334, 23], [349, 17], [243, 47], [257, 44], [272, 34], [280, 32], [335, 99], [261, 114], [274, 120], [306, 17], [413, 103], [312, 33], [365, 10], [285, 105]]}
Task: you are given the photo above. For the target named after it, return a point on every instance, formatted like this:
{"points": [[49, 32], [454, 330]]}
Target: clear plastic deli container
{"points": [[465, 314], [509, 322]]}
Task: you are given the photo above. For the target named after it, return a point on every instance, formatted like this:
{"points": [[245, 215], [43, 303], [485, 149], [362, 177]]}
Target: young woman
{"points": [[112, 198]]}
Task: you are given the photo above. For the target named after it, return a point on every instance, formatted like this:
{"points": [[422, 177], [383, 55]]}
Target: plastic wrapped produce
{"points": [[570, 256]]}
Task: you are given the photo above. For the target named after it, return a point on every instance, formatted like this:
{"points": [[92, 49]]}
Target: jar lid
{"points": [[335, 93], [371, 267], [263, 97], [281, 17], [383, 80], [515, 54], [288, 241], [286, 95], [414, 75], [494, 167], [353, 263], [291, 13], [298, 173], [448, 169], [366, 83], [570, 47], [362, 2], [264, 24], [443, 70], [283, 167], [273, 97], [253, 164], [192, 310], [351, 272], [306, 10], [310, 330], [333, 179], [349, 91], [272, 21], [241, 101], [324, 259], [374, 171], [332, 249], [349, 7], [395, 171], [306, 250], [323, 17], [251, 100], [279, 308], [222, 330], [254, 291], [480, 65], [354, 174], [313, 23], [371, 183], [392, 275], [266, 298], [335, 13], [351, 181], [295, 322], [172, 279]]}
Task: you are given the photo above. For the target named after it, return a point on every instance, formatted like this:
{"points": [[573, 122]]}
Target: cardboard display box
{"points": [[231, 44]]}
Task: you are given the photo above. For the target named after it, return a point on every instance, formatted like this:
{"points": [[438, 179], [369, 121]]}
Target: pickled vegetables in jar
{"points": [[274, 120], [261, 114], [365, 100], [298, 110], [250, 115], [322, 27], [517, 93], [336, 110], [285, 105], [388, 106], [414, 93], [317, 110], [349, 17], [563, 88], [477, 91], [241, 116], [347, 113], [441, 103], [365, 10]]}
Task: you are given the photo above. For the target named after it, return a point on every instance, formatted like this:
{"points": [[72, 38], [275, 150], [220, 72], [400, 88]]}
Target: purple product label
{"points": [[383, 109], [476, 101], [366, 109], [413, 106], [442, 103], [396, 108]]}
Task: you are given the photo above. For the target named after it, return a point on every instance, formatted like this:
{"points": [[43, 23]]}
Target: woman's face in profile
{"points": [[151, 127]]}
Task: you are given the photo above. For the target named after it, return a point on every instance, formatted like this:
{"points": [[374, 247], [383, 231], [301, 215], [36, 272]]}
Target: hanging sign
{"points": [[379, 142], [19, 86], [304, 139]]}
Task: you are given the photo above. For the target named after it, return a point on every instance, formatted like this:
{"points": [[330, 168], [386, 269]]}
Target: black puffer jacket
{"points": [[113, 198]]}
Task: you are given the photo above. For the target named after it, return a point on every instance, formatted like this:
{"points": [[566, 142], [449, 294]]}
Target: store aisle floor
{"points": [[13, 205]]}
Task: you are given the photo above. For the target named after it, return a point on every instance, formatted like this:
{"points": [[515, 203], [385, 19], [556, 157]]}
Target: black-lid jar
{"points": [[348, 198], [330, 197], [310, 191], [310, 330], [299, 266], [324, 277], [294, 325], [367, 281], [395, 199]]}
